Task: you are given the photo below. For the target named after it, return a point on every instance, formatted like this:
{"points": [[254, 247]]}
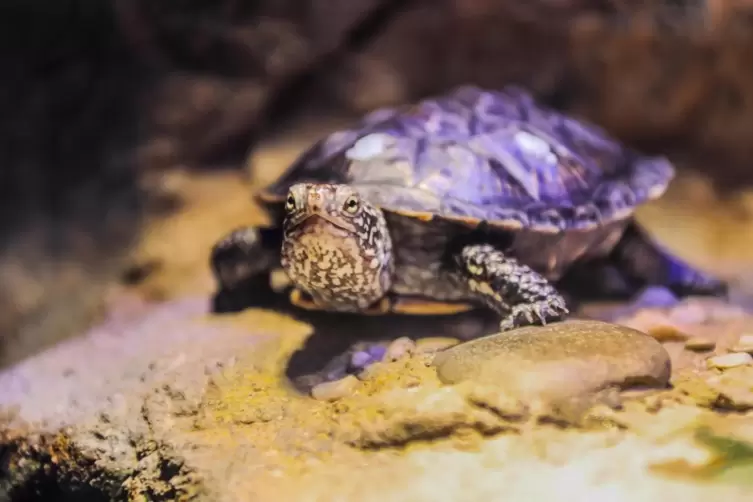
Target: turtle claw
{"points": [[536, 313]]}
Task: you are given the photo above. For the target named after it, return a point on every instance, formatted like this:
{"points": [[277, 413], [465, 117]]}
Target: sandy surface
{"points": [[167, 402]]}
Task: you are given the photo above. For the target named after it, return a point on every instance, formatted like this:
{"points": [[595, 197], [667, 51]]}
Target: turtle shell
{"points": [[476, 154]]}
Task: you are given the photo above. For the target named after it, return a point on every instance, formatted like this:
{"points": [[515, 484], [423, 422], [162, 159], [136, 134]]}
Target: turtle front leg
{"points": [[519, 294], [242, 262], [643, 261]]}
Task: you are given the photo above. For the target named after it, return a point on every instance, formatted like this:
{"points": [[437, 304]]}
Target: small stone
{"points": [[559, 360], [656, 324], [365, 357], [332, 391], [700, 344], [399, 348], [360, 359], [377, 352], [730, 360], [434, 344], [744, 344], [730, 390]]}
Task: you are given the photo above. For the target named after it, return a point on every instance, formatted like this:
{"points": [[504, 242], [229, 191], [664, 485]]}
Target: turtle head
{"points": [[336, 246]]}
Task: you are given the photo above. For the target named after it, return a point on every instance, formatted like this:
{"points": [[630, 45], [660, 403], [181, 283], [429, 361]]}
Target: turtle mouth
{"points": [[322, 220]]}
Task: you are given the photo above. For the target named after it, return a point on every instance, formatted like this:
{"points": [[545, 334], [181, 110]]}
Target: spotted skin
{"points": [[336, 247], [519, 294]]}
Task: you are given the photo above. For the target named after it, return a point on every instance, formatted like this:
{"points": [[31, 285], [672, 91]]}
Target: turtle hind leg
{"points": [[242, 262], [519, 294], [645, 263]]}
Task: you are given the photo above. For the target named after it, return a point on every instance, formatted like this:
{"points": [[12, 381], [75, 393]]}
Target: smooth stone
{"points": [[559, 360], [332, 391], [700, 344], [434, 344], [730, 360], [377, 352], [655, 323], [360, 359], [399, 348], [744, 344]]}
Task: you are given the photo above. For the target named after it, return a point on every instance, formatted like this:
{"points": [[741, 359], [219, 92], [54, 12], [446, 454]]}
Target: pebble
{"points": [[434, 344], [744, 344], [700, 344], [337, 389], [399, 348], [730, 360], [559, 360], [360, 359], [655, 323]]}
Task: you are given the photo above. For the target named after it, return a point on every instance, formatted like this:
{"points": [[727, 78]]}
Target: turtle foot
{"points": [[520, 294], [644, 261]]}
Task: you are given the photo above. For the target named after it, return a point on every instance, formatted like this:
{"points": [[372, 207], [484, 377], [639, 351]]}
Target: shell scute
{"points": [[499, 156]]}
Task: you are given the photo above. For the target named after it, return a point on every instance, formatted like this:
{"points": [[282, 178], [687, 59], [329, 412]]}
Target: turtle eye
{"points": [[290, 203], [351, 205]]}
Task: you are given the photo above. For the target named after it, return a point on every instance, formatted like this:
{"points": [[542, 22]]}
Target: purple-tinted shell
{"points": [[498, 156]]}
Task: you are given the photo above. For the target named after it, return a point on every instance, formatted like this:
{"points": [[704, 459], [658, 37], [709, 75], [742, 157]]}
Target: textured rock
{"points": [[171, 404], [334, 390], [559, 360], [730, 360]]}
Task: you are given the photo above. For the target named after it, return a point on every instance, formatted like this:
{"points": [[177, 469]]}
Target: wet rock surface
{"points": [[559, 360]]}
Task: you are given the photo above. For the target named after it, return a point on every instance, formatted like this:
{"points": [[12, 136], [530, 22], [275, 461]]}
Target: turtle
{"points": [[477, 198]]}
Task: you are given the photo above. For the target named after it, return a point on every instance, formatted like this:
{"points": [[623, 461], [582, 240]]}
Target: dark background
{"points": [[96, 97]]}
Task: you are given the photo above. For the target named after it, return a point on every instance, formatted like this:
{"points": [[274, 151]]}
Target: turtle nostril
{"points": [[315, 201]]}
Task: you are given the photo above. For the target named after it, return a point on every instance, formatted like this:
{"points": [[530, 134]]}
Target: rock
{"points": [[362, 359], [399, 348], [735, 398], [700, 344], [730, 360], [744, 344], [402, 415], [730, 390], [337, 389], [434, 344], [560, 360], [656, 323]]}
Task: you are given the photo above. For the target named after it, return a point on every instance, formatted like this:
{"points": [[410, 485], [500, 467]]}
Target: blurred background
{"points": [[132, 131]]}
